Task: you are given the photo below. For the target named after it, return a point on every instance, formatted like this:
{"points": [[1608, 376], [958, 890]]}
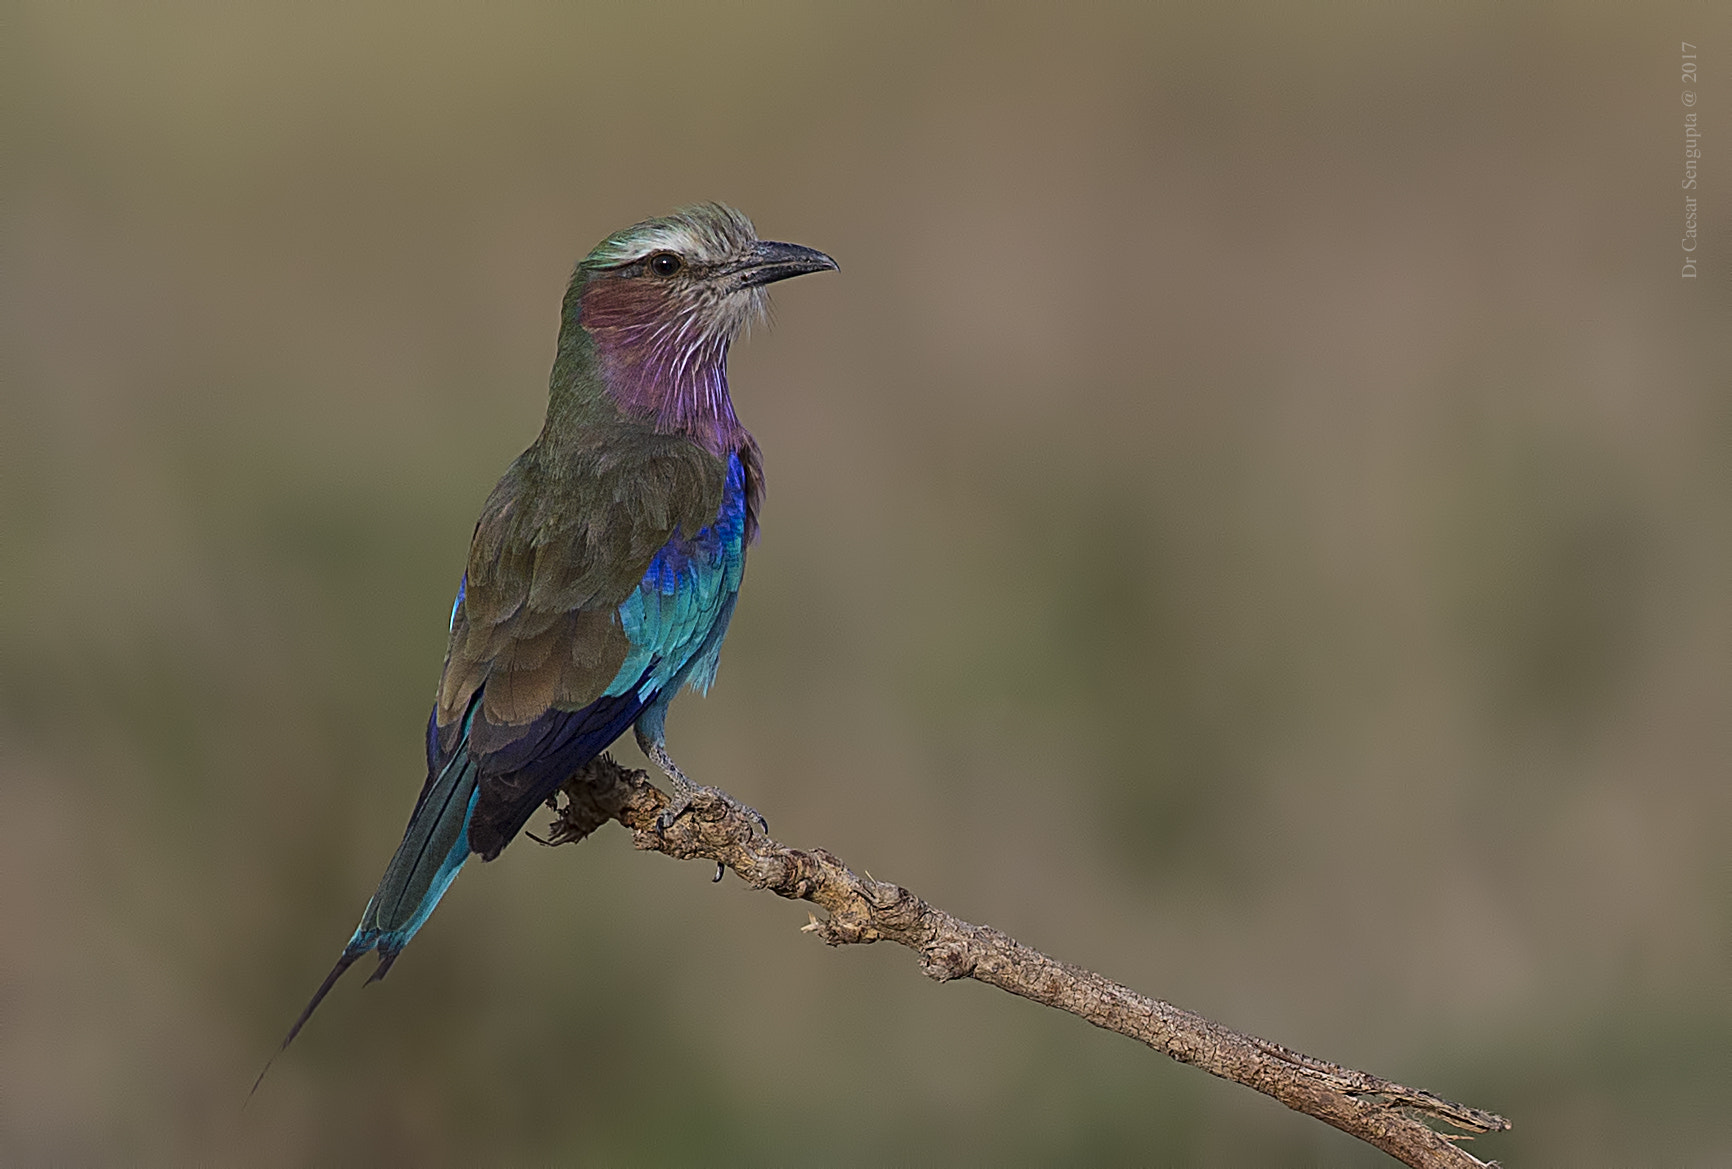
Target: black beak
{"points": [[771, 262]]}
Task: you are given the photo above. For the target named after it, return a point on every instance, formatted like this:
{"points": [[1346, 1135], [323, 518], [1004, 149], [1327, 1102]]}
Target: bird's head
{"points": [[663, 299], [703, 268]]}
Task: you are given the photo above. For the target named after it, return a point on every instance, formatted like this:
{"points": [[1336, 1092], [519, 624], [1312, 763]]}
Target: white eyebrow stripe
{"points": [[705, 234]]}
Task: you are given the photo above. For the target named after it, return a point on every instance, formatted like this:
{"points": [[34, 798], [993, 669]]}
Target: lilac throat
{"points": [[661, 372]]}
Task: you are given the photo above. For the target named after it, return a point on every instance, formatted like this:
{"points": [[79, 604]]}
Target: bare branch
{"points": [[861, 909]]}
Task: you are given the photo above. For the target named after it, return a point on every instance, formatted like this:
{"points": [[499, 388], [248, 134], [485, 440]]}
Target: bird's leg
{"points": [[685, 789]]}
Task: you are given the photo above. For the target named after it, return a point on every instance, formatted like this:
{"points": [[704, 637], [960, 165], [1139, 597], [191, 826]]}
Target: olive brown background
{"points": [[1252, 516]]}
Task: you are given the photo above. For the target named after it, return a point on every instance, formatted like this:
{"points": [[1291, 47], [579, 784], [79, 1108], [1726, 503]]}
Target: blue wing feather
{"points": [[670, 617]]}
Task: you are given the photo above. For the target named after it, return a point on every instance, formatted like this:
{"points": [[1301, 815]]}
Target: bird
{"points": [[603, 570]]}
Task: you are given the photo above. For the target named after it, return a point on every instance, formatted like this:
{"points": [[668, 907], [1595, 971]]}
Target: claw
{"points": [[677, 807], [757, 817]]}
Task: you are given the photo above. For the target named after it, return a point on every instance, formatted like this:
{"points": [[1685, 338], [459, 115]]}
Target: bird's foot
{"points": [[684, 800], [686, 793]]}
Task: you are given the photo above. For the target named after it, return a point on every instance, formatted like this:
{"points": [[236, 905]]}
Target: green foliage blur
{"points": [[1251, 516]]}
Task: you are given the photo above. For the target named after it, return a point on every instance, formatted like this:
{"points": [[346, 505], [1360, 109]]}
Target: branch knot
{"points": [[945, 960]]}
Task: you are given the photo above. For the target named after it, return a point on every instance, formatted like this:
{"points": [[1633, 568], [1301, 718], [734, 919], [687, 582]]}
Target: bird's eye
{"points": [[665, 263]]}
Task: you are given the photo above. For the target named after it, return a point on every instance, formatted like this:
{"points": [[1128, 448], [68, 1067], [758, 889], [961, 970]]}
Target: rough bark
{"points": [[861, 909]]}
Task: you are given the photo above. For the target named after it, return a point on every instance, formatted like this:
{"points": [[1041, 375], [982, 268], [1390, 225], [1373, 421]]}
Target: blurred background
{"points": [[1252, 517]]}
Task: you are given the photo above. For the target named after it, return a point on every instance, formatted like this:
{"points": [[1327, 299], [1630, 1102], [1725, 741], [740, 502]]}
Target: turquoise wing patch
{"points": [[688, 589]]}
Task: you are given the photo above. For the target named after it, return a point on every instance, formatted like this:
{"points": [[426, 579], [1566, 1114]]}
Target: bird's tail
{"points": [[434, 847]]}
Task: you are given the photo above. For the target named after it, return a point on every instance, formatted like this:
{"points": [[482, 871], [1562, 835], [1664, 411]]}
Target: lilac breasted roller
{"points": [[604, 567]]}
